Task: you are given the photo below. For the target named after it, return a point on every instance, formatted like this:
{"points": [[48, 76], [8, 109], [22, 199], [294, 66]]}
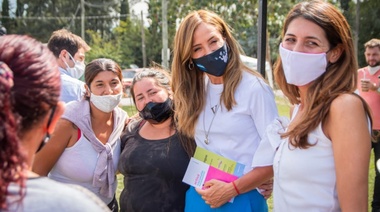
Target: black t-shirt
{"points": [[153, 172]]}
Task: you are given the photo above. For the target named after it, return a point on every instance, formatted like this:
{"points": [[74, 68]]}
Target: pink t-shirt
{"points": [[371, 97]]}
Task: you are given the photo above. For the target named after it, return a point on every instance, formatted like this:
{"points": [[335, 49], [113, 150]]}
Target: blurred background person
{"points": [[29, 110], [368, 87], [70, 50], [85, 146]]}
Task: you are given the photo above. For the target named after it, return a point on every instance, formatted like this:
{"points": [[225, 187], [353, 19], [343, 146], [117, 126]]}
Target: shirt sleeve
{"points": [[270, 142], [264, 112]]}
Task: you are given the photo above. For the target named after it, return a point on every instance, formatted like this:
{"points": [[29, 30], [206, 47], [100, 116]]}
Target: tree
{"points": [[121, 36], [369, 25], [100, 48], [6, 21]]}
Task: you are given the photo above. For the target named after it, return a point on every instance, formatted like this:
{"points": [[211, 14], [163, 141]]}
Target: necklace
{"points": [[214, 110]]}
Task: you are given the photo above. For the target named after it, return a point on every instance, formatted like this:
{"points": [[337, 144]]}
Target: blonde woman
{"points": [[225, 106]]}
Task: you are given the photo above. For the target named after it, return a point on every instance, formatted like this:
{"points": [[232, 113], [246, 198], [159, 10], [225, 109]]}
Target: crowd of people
{"points": [[63, 140]]}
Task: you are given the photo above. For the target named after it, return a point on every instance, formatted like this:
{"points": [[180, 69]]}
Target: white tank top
{"points": [[77, 165], [304, 179]]}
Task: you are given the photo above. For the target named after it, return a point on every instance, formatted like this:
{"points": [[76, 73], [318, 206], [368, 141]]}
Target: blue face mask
{"points": [[214, 63]]}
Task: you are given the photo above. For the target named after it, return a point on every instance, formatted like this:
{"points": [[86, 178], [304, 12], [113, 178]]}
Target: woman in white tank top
{"points": [[85, 147], [322, 161]]}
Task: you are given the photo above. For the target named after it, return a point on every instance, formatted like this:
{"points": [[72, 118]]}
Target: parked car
{"points": [[128, 75], [252, 63]]}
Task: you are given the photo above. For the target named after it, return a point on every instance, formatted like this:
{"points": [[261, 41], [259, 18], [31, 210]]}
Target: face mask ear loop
{"points": [[228, 46], [71, 57], [47, 137]]}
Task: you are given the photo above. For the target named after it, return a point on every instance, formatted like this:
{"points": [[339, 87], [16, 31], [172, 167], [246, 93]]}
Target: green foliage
{"points": [[5, 12], [121, 38], [101, 48], [369, 25]]}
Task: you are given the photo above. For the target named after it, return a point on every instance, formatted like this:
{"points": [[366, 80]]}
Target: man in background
{"points": [[69, 49], [368, 86]]}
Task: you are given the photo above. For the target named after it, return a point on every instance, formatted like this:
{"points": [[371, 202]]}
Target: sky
{"points": [[137, 7]]}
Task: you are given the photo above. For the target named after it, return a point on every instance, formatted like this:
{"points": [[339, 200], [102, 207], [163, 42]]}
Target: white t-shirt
{"points": [[236, 134]]}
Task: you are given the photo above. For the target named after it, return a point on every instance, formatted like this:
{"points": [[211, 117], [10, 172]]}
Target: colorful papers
{"points": [[206, 165], [219, 162], [198, 173]]}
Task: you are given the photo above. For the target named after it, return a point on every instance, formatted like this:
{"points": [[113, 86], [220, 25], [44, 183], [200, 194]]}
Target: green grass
{"points": [[283, 107], [131, 110]]}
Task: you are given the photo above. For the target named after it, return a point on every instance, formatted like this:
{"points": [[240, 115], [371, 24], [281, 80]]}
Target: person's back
{"points": [[29, 110], [44, 194], [69, 50]]}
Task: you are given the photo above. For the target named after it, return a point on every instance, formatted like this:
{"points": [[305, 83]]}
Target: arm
{"points": [[347, 127], [46, 158]]}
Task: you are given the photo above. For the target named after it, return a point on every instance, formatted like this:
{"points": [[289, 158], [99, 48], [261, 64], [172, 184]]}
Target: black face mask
{"points": [[156, 113], [214, 63]]}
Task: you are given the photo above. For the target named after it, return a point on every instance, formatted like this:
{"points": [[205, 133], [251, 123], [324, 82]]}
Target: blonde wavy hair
{"points": [[340, 77], [188, 83]]}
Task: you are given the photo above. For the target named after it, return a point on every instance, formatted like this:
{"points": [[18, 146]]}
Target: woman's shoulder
{"points": [[347, 104], [347, 101], [130, 130], [252, 84], [62, 197], [249, 78]]}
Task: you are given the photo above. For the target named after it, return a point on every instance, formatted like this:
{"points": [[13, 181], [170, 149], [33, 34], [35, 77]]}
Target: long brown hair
{"points": [[29, 88], [188, 83], [340, 77]]}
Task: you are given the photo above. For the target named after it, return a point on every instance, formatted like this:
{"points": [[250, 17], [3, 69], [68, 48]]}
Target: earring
{"points": [[191, 65]]}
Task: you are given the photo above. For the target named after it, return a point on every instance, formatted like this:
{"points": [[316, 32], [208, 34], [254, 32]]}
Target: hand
{"points": [[216, 193], [367, 85], [266, 188]]}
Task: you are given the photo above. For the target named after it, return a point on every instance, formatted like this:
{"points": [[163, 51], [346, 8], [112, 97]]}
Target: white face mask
{"points": [[373, 70], [106, 103], [301, 68], [78, 69]]}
